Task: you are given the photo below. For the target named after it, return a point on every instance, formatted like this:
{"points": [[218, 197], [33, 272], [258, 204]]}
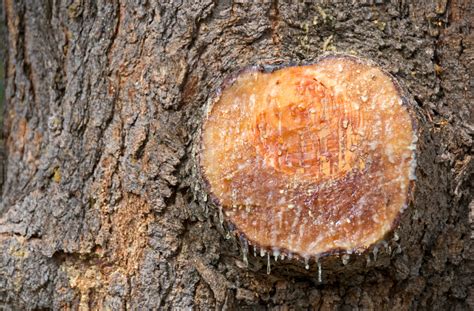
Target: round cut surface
{"points": [[310, 159]]}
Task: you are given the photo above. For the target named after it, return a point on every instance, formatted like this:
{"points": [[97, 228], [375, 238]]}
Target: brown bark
{"points": [[99, 207]]}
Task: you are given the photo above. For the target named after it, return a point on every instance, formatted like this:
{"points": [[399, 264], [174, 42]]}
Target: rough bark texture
{"points": [[103, 100]]}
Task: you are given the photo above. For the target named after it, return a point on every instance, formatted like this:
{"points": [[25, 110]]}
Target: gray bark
{"points": [[103, 101]]}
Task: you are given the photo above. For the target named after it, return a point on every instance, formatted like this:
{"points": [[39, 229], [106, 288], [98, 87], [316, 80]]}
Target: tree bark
{"points": [[99, 208]]}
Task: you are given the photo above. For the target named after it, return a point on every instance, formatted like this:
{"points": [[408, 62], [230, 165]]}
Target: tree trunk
{"points": [[103, 100]]}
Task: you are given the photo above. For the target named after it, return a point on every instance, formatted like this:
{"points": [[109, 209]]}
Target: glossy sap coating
{"points": [[310, 159]]}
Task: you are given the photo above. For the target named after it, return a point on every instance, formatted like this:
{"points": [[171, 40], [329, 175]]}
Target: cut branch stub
{"points": [[310, 160]]}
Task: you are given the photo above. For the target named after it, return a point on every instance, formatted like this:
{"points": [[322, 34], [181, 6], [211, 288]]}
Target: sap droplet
{"points": [[306, 263], [245, 250], [345, 259], [345, 123], [245, 259], [320, 272], [276, 253], [395, 236], [269, 269], [375, 252]]}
